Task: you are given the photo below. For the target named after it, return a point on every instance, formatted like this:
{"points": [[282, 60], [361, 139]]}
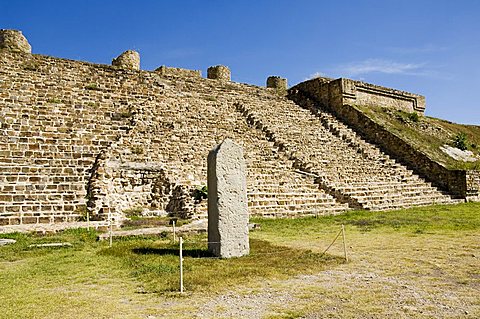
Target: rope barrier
{"points": [[341, 232], [336, 237]]}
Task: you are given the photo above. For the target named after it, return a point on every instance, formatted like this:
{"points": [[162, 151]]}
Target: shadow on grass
{"points": [[194, 253]]}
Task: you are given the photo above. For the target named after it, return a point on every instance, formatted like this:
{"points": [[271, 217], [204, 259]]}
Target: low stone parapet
{"points": [[179, 72], [336, 93]]}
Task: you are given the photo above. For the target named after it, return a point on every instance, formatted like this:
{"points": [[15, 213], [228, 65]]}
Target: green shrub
{"points": [[54, 101], [92, 86], [200, 193], [413, 117], [460, 141], [133, 212]]}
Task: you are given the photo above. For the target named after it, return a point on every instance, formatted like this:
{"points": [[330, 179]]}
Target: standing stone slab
{"points": [[227, 201]]}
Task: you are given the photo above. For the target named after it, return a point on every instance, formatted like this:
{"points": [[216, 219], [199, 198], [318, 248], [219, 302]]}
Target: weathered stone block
{"points": [[227, 201], [13, 40], [219, 72], [276, 82], [128, 60]]}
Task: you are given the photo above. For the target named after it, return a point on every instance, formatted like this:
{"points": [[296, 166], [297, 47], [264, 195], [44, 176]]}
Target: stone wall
{"points": [[56, 116], [179, 72], [331, 95], [73, 135], [473, 186]]}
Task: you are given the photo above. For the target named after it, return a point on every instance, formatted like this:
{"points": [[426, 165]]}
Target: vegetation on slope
{"points": [[428, 134]]}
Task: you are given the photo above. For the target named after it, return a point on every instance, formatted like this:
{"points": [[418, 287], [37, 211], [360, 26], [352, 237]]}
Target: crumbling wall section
{"points": [[120, 189], [473, 186]]}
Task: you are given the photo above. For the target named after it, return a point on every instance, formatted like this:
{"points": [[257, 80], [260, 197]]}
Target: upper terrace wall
{"points": [[171, 71], [345, 91]]}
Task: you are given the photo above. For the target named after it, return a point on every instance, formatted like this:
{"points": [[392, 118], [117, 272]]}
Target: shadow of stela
{"points": [[194, 253]]}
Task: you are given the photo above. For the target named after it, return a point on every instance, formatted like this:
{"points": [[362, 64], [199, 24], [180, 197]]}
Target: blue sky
{"points": [[426, 47]]}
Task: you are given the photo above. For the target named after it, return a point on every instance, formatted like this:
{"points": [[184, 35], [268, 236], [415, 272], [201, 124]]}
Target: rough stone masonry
{"points": [[227, 201], [15, 41], [128, 60]]}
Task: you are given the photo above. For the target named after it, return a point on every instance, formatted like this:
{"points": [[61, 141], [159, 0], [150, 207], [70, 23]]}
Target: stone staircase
{"points": [[346, 166], [193, 116]]}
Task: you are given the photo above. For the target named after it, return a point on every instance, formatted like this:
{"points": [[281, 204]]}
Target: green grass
{"points": [[153, 261], [155, 264], [422, 219], [91, 279]]}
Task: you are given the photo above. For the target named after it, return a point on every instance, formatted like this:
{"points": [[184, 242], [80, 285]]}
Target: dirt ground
{"points": [[389, 275]]}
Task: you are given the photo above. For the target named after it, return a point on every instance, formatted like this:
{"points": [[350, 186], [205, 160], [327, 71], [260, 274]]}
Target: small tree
{"points": [[460, 141]]}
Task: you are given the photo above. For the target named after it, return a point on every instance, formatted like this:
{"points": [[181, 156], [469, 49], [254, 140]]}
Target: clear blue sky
{"points": [[426, 47]]}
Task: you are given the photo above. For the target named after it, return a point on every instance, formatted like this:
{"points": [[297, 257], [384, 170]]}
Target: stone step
{"points": [[317, 194], [275, 211]]}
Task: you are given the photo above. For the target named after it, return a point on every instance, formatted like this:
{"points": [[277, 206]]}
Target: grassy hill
{"points": [[428, 134]]}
